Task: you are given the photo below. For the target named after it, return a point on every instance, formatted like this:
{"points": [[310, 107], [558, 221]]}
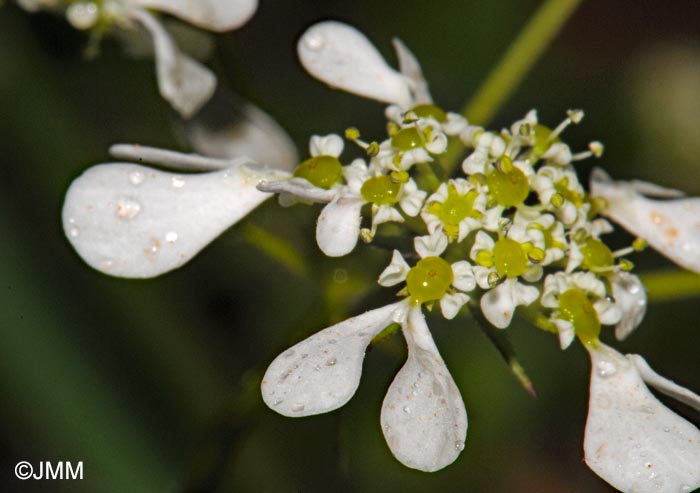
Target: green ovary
{"points": [[455, 209], [596, 255], [562, 188], [321, 171], [381, 190], [407, 139], [508, 185], [430, 111], [509, 258], [429, 280], [575, 307]]}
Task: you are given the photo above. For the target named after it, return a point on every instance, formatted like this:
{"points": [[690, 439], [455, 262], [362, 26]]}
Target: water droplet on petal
{"points": [[606, 368], [74, 232], [153, 247], [407, 410], [136, 177], [178, 181], [314, 41], [106, 264], [685, 487], [331, 362], [297, 408], [127, 209], [171, 237], [459, 445], [277, 402], [414, 393]]}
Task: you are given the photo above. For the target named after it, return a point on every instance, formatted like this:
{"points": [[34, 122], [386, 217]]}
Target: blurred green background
{"points": [[154, 384]]}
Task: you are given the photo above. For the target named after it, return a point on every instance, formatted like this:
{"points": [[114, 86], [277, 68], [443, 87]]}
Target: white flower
{"points": [[423, 416], [456, 208], [129, 220], [670, 226], [632, 440], [338, 226], [578, 308], [550, 229]]}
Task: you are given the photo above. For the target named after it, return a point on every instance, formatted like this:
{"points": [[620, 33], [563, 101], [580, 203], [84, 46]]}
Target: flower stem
{"points": [[520, 57], [276, 247], [671, 285]]}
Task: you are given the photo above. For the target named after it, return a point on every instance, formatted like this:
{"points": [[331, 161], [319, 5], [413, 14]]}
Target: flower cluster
{"points": [[513, 230]]}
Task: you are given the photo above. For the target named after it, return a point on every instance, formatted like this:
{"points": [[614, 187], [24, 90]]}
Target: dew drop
{"points": [[277, 402], [153, 247], [459, 445], [606, 368], [414, 393], [331, 362], [127, 209], [340, 276], [136, 177], [667, 429], [407, 410], [106, 264], [297, 408], [74, 232], [314, 41], [178, 181], [171, 237], [685, 488], [317, 368]]}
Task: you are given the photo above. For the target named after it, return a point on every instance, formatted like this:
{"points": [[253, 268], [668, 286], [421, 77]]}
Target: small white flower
{"points": [[670, 226], [129, 220], [423, 416], [632, 440], [456, 209]]}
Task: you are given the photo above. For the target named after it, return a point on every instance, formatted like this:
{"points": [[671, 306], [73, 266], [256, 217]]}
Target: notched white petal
{"points": [[670, 226], [631, 297], [338, 226], [430, 245], [499, 303], [322, 372], [185, 83], [395, 272], [343, 57], [214, 15], [326, 145], [451, 304], [632, 440], [423, 416], [132, 221], [663, 384]]}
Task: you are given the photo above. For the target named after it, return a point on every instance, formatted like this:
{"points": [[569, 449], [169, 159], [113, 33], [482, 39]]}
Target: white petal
{"points": [[338, 226], [229, 127], [299, 187], [343, 57], [431, 245], [632, 440], [395, 272], [131, 221], [499, 303], [172, 159], [423, 416], [482, 241], [566, 332], [410, 67], [608, 313], [464, 279], [412, 201], [672, 226], [183, 82], [385, 214], [214, 15], [451, 304], [663, 384], [322, 372], [326, 145], [631, 297]]}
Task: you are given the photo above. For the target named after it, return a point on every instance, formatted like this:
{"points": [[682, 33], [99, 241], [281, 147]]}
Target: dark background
{"points": [[154, 384]]}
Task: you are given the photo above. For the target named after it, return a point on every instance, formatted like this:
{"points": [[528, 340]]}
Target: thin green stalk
{"points": [[276, 247], [671, 285], [520, 57]]}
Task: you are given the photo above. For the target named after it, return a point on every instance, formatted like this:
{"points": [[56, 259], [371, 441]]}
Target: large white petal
{"points": [[342, 57], [423, 416], [214, 15], [410, 67], [128, 220], [172, 159], [322, 372], [632, 440], [338, 226], [185, 83], [670, 226], [300, 188], [663, 384], [228, 127], [631, 297]]}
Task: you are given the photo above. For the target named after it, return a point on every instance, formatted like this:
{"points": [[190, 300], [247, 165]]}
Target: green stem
{"points": [[276, 247], [671, 285], [521, 56]]}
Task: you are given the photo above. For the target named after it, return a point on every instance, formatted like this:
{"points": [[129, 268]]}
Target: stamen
{"points": [[572, 116]]}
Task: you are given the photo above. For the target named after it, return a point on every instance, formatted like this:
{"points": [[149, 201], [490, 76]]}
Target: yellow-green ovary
{"points": [[429, 279]]}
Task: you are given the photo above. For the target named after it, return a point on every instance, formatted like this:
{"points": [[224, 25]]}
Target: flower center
{"points": [[596, 255], [430, 111], [508, 184], [429, 279], [455, 209], [381, 190], [407, 139], [509, 258], [562, 188], [575, 307], [321, 171]]}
